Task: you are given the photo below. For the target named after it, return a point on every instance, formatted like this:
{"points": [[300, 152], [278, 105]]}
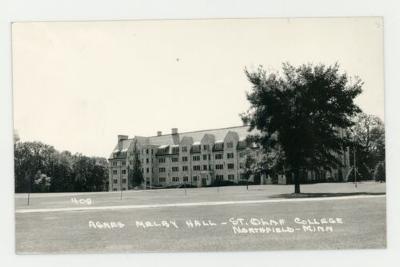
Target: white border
{"points": [[44, 10]]}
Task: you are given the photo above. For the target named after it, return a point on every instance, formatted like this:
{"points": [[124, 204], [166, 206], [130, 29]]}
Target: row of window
{"points": [[198, 157], [231, 177], [116, 189], [176, 179], [230, 166], [175, 150], [184, 179], [185, 158], [123, 181], [195, 148], [207, 147], [115, 172]]}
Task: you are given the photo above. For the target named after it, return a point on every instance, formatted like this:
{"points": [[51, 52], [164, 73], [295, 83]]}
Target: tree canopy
{"points": [[135, 174], [368, 135], [302, 110], [41, 168]]}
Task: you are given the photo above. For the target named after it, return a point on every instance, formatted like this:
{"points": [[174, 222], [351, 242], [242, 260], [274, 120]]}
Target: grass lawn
{"points": [[361, 210]]}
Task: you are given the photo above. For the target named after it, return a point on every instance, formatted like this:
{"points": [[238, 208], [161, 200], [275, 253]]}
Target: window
{"points": [[175, 169], [115, 181], [174, 159], [185, 178], [115, 189], [184, 168], [147, 151], [204, 157], [230, 155], [115, 172], [219, 146], [147, 170], [123, 171], [184, 159], [219, 167], [204, 167], [229, 145], [241, 154], [123, 163], [147, 160], [219, 177], [124, 181], [161, 160], [175, 179], [205, 147], [196, 168], [114, 163], [231, 177], [161, 169], [161, 179], [218, 156], [231, 166], [194, 178], [184, 149], [196, 158], [175, 150]]}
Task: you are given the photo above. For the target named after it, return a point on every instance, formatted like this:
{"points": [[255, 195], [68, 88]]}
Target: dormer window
{"points": [[196, 148], [175, 150], [219, 146]]}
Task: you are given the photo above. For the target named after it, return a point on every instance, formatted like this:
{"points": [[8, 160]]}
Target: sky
{"points": [[77, 85]]}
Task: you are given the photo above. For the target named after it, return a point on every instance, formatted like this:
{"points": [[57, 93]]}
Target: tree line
{"points": [[41, 168]]}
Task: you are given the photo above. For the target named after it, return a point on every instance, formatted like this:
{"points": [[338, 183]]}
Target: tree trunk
{"points": [[297, 181]]}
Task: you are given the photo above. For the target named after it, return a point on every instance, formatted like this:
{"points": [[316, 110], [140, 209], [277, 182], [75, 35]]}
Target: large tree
{"points": [[302, 110]]}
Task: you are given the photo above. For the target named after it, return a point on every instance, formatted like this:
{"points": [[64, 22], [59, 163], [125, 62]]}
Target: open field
{"points": [[204, 219]]}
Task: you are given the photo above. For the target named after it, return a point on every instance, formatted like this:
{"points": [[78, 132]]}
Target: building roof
{"points": [[122, 146], [162, 141], [219, 134]]}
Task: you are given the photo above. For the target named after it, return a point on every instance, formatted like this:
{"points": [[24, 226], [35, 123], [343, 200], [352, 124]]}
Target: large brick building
{"points": [[197, 158]]}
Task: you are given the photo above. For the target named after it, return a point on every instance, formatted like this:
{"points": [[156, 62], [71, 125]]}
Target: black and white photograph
{"points": [[199, 135]]}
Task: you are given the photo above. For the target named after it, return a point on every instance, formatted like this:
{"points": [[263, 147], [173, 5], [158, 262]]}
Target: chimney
{"points": [[174, 130], [122, 137], [159, 133]]}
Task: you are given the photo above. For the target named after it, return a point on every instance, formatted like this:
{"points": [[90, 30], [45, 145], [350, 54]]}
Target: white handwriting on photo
{"points": [[237, 225]]}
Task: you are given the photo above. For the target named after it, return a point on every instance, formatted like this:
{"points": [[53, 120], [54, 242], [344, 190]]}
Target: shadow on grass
{"points": [[311, 195]]}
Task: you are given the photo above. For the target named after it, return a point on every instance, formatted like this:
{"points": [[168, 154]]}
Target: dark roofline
{"points": [[196, 131]]}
